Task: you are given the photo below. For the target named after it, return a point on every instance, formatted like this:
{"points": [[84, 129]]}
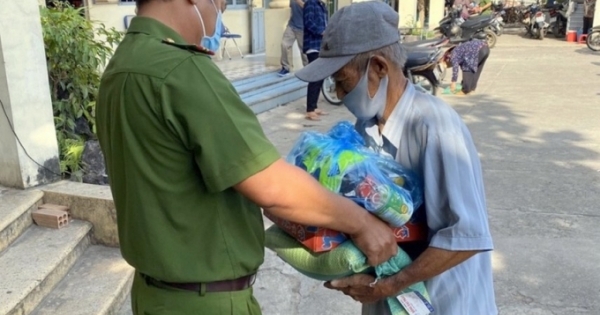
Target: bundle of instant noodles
{"points": [[342, 163]]}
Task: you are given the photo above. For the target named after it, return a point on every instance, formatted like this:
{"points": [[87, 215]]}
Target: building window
{"points": [[127, 1], [237, 3]]}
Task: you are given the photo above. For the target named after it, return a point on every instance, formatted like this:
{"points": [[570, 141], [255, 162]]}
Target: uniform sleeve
{"points": [[454, 192], [204, 110]]}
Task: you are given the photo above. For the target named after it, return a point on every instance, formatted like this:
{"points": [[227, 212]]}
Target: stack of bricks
{"points": [[51, 216]]}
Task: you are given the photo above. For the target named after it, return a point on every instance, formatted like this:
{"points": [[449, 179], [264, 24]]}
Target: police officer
{"points": [[190, 168]]}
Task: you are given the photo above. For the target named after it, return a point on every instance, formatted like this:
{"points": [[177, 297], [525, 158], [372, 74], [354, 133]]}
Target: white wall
{"points": [[25, 95], [112, 15]]}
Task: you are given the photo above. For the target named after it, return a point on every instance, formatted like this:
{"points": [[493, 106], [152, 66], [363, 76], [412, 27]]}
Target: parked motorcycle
{"points": [[535, 22], [426, 64], [558, 20], [457, 29], [593, 39], [497, 23]]}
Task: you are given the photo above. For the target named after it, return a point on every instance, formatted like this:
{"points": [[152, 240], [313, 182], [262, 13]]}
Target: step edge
{"points": [[31, 300], [291, 88], [17, 227], [256, 89], [250, 78], [124, 292], [17, 212], [261, 84]]}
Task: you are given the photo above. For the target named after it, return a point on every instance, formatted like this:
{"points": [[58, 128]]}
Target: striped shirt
{"points": [[426, 135]]}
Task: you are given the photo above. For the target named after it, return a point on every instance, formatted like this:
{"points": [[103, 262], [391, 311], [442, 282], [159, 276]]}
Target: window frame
{"points": [[235, 6]]}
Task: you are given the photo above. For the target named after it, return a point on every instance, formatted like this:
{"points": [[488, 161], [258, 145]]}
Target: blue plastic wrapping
{"points": [[342, 163]]}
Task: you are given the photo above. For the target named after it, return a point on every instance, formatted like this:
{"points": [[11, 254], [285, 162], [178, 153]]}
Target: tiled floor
{"points": [[239, 68]]}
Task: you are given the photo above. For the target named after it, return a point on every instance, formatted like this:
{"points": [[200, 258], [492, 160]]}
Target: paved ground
{"points": [[535, 122]]}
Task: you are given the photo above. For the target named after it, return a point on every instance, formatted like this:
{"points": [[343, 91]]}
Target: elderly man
{"points": [[190, 168], [360, 49]]}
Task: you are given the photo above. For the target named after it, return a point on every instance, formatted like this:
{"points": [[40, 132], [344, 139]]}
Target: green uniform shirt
{"points": [[176, 137]]}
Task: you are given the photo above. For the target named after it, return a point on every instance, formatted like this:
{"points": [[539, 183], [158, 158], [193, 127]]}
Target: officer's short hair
{"points": [[140, 3]]}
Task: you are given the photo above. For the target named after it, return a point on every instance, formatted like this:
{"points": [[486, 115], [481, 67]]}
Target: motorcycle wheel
{"points": [[328, 91], [556, 30], [424, 84], [491, 38], [593, 41]]}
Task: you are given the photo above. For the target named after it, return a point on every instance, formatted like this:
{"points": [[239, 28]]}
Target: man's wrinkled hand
{"points": [[376, 240], [363, 288], [453, 87]]}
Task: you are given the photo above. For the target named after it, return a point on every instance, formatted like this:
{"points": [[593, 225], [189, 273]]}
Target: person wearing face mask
{"points": [[361, 50], [190, 169]]}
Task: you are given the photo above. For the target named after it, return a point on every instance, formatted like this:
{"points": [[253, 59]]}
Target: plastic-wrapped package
{"points": [[343, 261], [340, 161]]}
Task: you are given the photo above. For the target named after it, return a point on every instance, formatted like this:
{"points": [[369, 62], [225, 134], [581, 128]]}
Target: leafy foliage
{"points": [[76, 51]]}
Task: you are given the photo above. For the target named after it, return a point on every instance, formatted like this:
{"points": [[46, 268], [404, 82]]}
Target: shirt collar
{"points": [[152, 27], [391, 130]]}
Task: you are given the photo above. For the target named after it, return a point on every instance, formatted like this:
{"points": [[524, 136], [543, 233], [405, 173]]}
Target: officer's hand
{"points": [[376, 240]]}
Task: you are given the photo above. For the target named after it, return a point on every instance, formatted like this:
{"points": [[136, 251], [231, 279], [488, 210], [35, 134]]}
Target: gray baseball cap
{"points": [[354, 29]]}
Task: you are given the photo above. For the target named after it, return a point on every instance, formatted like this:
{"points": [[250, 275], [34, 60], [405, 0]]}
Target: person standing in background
{"points": [[294, 32], [315, 22], [470, 57], [589, 6]]}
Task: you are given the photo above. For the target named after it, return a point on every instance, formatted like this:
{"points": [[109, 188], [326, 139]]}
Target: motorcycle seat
{"points": [[429, 44], [418, 58], [476, 22], [422, 43]]}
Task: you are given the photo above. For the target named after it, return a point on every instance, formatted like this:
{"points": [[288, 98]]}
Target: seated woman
{"points": [[470, 57]]}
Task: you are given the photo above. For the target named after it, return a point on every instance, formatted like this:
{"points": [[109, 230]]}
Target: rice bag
{"points": [[343, 261]]}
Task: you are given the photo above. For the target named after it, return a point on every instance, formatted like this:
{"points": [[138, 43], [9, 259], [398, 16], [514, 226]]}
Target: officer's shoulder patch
{"points": [[192, 48]]}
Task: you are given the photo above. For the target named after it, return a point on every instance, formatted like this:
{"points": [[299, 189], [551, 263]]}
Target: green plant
{"points": [[71, 152], [76, 51]]}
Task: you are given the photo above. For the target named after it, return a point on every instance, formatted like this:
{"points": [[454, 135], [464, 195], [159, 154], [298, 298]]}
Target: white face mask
{"points": [[361, 104], [213, 42]]}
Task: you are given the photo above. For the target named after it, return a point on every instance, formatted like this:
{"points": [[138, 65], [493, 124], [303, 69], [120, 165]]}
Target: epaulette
{"points": [[194, 48]]}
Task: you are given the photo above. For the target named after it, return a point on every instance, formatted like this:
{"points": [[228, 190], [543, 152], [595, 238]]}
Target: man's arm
{"points": [[292, 194], [432, 262], [300, 3], [485, 6], [231, 151]]}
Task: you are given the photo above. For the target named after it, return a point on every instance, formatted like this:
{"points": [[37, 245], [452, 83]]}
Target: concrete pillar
{"points": [[408, 13], [276, 21], [343, 3], [279, 4], [25, 94], [597, 14], [436, 13]]}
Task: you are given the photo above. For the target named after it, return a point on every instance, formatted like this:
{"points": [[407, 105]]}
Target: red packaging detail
{"points": [[322, 240]]}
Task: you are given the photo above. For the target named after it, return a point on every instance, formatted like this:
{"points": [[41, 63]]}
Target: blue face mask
{"points": [[213, 42], [361, 104]]}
